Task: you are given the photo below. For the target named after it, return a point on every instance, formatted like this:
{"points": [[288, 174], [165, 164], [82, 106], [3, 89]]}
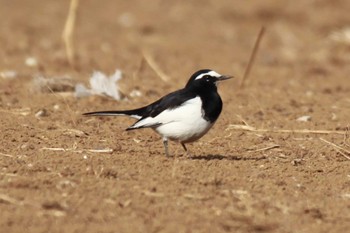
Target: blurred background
{"points": [[182, 36]]}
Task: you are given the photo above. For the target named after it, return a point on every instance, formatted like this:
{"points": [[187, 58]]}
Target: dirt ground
{"points": [[55, 178]]}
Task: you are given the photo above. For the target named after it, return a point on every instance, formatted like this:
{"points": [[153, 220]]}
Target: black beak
{"points": [[224, 77]]}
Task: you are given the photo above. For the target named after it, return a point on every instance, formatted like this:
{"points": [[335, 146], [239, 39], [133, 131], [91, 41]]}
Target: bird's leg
{"points": [[183, 146], [165, 143], [187, 152]]}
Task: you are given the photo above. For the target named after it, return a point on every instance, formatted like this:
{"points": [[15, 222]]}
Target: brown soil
{"points": [[235, 181]]}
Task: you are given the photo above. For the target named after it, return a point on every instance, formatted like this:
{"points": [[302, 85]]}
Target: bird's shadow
{"points": [[226, 157]]}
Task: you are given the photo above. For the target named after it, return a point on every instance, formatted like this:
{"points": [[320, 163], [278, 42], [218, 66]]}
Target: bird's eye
{"points": [[207, 78]]}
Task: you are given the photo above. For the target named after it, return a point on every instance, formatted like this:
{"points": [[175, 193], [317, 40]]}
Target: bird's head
{"points": [[206, 79]]}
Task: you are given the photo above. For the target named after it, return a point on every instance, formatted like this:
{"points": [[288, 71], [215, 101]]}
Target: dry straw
{"points": [[301, 131], [67, 34], [151, 62], [344, 152], [252, 56]]}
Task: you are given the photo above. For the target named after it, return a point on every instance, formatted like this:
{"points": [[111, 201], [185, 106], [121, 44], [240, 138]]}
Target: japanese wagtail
{"points": [[184, 115]]}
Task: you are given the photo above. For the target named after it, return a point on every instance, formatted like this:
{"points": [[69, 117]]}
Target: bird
{"points": [[182, 116]]}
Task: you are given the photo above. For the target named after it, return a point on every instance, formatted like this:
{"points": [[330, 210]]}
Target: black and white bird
{"points": [[184, 115]]}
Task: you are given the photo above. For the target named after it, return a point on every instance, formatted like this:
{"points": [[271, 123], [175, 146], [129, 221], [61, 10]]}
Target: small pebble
{"points": [[41, 113], [334, 117], [31, 62], [8, 74], [135, 93], [56, 107], [296, 162], [126, 19], [304, 118]]}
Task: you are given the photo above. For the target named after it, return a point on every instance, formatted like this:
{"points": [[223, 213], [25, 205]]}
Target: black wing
{"points": [[170, 101]]}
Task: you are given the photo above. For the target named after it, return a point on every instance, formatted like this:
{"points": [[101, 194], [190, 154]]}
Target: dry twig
{"points": [[346, 136], [9, 174], [139, 67], [67, 34], [252, 56], [152, 194], [7, 199], [339, 149], [6, 155], [265, 148], [195, 197], [107, 150], [150, 61], [241, 119], [19, 111], [75, 132], [302, 131]]}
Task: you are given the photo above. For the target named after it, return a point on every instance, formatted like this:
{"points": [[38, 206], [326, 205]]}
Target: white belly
{"points": [[184, 131], [184, 123]]}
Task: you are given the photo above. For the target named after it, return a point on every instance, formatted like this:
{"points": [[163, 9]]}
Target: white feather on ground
{"points": [[101, 84]]}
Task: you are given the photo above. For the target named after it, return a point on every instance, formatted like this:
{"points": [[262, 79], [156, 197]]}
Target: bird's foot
{"points": [[187, 152]]}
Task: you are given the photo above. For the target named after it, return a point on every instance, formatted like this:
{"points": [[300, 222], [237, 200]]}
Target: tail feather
{"points": [[137, 113]]}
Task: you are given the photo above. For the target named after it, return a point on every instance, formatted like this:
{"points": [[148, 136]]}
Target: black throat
{"points": [[211, 102]]}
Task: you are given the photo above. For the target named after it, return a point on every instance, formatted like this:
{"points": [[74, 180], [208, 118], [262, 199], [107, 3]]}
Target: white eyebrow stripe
{"points": [[210, 73]]}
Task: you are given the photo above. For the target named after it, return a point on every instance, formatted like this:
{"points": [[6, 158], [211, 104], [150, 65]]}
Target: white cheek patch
{"points": [[210, 73]]}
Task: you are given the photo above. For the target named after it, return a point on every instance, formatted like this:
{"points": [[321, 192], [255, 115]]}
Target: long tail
{"points": [[135, 113]]}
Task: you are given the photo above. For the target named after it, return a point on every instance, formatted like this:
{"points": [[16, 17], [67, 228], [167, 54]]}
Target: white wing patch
{"points": [[210, 73]]}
